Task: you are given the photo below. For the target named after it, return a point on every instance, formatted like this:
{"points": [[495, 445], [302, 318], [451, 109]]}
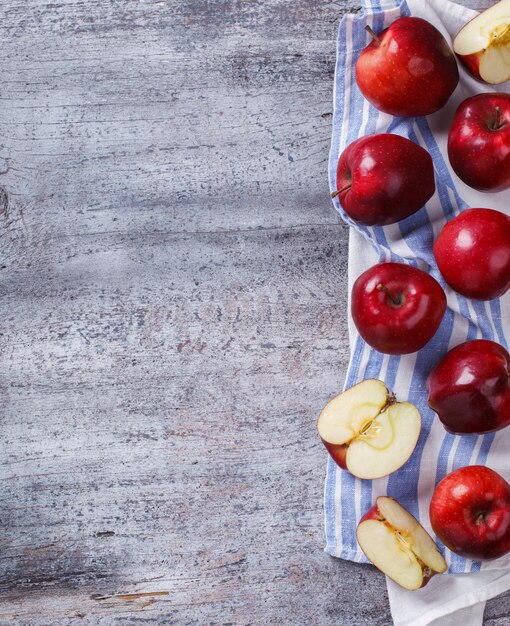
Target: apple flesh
{"points": [[408, 69], [367, 432], [483, 44], [383, 178], [473, 253], [470, 512], [479, 141], [397, 544], [470, 388], [397, 308]]}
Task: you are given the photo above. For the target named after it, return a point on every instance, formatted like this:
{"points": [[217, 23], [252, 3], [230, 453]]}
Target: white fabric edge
{"points": [[498, 582]]}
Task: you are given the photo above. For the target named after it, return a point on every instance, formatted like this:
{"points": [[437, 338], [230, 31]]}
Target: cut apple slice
{"points": [[367, 432], [483, 44], [397, 544]]}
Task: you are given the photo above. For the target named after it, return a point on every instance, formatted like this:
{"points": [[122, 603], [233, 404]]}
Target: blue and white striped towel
{"points": [[410, 241]]}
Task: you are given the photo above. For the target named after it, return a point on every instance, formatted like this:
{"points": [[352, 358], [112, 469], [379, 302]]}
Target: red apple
{"points": [[479, 141], [381, 179], [367, 432], [473, 253], [397, 544], [470, 512], [470, 388], [408, 69], [397, 308], [483, 44]]}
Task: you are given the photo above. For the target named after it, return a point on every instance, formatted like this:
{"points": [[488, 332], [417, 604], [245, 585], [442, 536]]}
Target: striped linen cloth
{"points": [[410, 241]]}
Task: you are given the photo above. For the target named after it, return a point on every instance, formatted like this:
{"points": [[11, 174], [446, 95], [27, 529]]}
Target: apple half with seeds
{"points": [[397, 544], [483, 44], [367, 432]]}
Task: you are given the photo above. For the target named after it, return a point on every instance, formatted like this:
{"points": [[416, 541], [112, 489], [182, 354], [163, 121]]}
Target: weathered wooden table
{"points": [[173, 315]]}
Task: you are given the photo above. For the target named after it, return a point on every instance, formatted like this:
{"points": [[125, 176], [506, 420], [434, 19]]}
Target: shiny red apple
{"points": [[408, 69], [470, 388], [479, 141], [381, 179], [397, 308], [473, 253], [470, 512]]}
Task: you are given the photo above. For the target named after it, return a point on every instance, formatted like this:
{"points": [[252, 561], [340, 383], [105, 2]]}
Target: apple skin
{"points": [[473, 253], [479, 142], [470, 388], [372, 513], [338, 453], [384, 178], [470, 512], [472, 63], [408, 70], [397, 308]]}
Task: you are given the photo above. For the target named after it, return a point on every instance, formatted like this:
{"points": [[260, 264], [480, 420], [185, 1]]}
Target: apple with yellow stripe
{"points": [[367, 432], [397, 544]]}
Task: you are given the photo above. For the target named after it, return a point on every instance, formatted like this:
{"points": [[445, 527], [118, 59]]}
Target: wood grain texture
{"points": [[173, 297]]}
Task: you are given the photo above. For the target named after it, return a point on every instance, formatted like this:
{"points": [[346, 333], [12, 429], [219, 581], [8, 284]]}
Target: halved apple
{"points": [[397, 544], [367, 432], [483, 44]]}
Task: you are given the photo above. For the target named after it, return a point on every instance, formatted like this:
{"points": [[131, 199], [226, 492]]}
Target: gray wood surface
{"points": [[173, 315]]}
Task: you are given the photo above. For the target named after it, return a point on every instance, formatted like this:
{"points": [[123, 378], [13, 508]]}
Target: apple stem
{"points": [[392, 398], [334, 194], [480, 519], [395, 299], [373, 35], [496, 124]]}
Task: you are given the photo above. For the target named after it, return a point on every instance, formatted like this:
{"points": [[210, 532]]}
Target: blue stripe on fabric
{"points": [[403, 484], [495, 306], [339, 96], [442, 171], [349, 482], [329, 506], [484, 323], [333, 471], [391, 372], [329, 490], [357, 45]]}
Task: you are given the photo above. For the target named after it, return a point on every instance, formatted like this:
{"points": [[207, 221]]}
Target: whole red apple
{"points": [[384, 178], [397, 308], [470, 388], [473, 253], [479, 141], [408, 69], [470, 512]]}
